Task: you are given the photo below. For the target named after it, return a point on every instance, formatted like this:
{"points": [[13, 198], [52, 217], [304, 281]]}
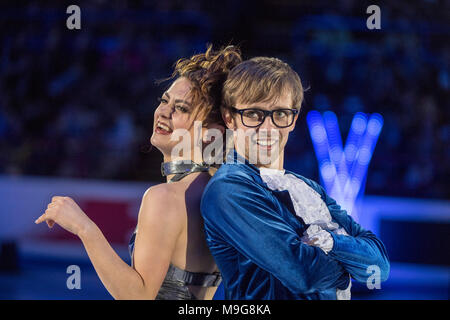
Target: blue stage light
{"points": [[343, 170]]}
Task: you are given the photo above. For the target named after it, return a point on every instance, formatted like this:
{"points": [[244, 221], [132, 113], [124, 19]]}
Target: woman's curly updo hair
{"points": [[207, 73]]}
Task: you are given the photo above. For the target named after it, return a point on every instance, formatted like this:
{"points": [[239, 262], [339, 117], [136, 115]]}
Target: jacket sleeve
{"points": [[360, 249], [239, 212]]}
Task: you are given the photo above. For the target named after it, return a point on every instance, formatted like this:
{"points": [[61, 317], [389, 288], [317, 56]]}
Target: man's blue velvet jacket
{"points": [[254, 236]]}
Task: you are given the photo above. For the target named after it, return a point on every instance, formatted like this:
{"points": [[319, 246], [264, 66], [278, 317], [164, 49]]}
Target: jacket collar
{"points": [[234, 157], [283, 196]]}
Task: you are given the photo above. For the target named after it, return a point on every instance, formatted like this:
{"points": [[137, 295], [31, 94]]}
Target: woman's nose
{"points": [[165, 110]]}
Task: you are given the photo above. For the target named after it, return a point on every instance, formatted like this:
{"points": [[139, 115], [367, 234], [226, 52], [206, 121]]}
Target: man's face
{"points": [[262, 145]]}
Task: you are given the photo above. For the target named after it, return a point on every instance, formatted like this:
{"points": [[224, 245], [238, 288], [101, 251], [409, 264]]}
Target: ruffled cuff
{"points": [[339, 239], [321, 237]]}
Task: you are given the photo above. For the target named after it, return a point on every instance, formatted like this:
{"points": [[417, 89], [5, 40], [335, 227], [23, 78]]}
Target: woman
{"points": [[170, 257]]}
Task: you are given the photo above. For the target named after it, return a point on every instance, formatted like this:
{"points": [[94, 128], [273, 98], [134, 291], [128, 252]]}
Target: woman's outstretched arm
{"points": [[155, 242]]}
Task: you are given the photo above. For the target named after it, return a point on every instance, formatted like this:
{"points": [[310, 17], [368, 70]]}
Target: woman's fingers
{"points": [[45, 217], [40, 219], [51, 211], [64, 212], [51, 204], [50, 223]]}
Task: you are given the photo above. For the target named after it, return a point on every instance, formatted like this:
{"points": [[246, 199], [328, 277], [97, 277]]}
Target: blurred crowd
{"points": [[80, 103]]}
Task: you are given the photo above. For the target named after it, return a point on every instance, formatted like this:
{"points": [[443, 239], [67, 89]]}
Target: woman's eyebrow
{"points": [[182, 101], [177, 100]]}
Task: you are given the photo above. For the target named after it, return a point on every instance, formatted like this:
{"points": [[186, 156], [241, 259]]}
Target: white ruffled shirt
{"points": [[311, 208]]}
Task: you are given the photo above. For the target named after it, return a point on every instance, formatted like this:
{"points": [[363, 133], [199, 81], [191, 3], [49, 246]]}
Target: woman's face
{"points": [[172, 117]]}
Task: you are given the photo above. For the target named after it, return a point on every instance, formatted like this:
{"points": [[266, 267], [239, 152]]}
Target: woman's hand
{"points": [[65, 212]]}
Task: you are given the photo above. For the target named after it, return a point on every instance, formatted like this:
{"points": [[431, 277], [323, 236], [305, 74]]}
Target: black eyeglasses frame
{"points": [[266, 113]]}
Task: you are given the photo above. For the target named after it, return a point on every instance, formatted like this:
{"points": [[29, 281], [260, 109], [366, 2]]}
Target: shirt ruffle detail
{"points": [[309, 206]]}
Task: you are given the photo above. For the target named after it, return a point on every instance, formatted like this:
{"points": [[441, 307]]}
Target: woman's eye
{"points": [[163, 100], [182, 109]]}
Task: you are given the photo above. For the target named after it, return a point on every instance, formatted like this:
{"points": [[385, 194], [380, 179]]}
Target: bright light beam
{"points": [[344, 170]]}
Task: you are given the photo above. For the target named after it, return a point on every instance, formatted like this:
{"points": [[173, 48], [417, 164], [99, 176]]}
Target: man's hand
{"points": [[318, 237]]}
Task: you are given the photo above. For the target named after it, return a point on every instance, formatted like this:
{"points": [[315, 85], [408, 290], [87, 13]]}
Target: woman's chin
{"points": [[162, 146], [154, 141]]}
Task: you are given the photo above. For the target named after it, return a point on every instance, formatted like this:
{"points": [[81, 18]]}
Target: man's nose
{"points": [[267, 124]]}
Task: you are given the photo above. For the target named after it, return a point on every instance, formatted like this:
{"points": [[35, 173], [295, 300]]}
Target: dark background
{"points": [[79, 103]]}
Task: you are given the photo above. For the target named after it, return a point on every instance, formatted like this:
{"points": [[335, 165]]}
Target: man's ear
{"points": [[227, 117]]}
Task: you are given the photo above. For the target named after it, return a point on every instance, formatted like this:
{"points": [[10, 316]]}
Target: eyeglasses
{"points": [[253, 117]]}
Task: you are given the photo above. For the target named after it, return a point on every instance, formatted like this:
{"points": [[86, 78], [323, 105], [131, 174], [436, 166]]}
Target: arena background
{"points": [[76, 110]]}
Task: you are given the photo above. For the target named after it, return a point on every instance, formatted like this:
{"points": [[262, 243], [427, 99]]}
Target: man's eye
{"points": [[280, 114], [251, 114]]}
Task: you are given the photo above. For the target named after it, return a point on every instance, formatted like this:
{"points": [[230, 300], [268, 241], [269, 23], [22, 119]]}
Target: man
{"points": [[273, 233]]}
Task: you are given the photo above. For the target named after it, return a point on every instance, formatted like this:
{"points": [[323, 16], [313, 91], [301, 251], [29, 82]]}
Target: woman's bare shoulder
{"points": [[159, 190], [162, 199]]}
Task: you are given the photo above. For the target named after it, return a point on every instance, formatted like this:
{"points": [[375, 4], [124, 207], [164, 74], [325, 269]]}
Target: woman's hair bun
{"points": [[207, 73]]}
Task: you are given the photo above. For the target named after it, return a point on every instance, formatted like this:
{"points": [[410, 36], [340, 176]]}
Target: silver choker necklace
{"points": [[181, 168]]}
